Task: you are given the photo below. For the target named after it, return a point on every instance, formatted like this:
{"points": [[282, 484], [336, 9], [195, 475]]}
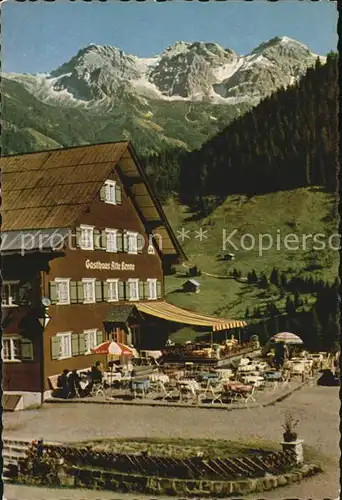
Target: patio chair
{"points": [[216, 393], [286, 379], [139, 388], [98, 389], [233, 395], [249, 396], [187, 391], [169, 391], [275, 385]]}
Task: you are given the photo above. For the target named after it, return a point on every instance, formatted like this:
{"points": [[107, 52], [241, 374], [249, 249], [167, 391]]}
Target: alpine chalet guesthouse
{"points": [[85, 247]]}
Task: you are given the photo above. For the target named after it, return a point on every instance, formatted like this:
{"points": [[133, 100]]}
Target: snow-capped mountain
{"points": [[102, 75]]}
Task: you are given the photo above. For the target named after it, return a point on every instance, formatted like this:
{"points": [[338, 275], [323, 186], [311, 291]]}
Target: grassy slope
{"points": [[299, 211]]}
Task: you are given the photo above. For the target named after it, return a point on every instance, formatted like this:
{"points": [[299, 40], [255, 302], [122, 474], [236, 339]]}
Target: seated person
{"points": [[97, 372], [74, 383], [112, 366], [63, 384], [96, 376], [328, 379]]}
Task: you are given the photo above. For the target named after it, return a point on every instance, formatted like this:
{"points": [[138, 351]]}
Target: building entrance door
{"points": [[135, 336]]}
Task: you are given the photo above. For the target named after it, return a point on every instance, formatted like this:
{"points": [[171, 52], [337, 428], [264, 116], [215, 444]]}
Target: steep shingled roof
{"points": [[52, 189]]}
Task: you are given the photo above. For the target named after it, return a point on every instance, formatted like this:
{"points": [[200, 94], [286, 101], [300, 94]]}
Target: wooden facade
{"points": [[89, 289]]}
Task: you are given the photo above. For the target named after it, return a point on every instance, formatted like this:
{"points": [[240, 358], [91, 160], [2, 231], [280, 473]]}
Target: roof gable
{"points": [[193, 282], [52, 189]]}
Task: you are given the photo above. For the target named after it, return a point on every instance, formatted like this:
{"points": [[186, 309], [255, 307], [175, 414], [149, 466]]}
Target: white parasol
{"points": [[287, 338]]}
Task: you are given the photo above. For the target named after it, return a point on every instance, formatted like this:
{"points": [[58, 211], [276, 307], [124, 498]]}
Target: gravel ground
{"points": [[316, 407]]}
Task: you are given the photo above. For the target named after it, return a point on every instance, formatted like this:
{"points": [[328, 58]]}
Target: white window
{"points": [[111, 240], [11, 349], [152, 288], [88, 290], [64, 345], [90, 340], [133, 289], [113, 290], [63, 290], [110, 191], [87, 238], [132, 242], [10, 293]]}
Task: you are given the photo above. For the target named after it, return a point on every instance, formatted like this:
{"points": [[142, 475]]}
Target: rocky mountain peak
{"points": [[283, 45], [192, 71]]}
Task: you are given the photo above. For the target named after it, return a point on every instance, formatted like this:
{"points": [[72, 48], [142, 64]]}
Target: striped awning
{"points": [[169, 312]]}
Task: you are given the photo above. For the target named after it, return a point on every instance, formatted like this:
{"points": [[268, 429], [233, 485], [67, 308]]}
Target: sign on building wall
{"points": [[109, 266]]}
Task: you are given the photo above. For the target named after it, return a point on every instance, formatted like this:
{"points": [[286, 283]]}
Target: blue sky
{"points": [[38, 37]]}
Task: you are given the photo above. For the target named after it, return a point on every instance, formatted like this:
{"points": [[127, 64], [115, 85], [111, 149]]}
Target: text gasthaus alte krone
{"points": [[109, 266]]}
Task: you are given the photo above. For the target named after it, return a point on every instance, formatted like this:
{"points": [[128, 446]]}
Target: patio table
{"points": [[225, 372], [246, 368], [205, 376], [238, 386], [190, 387], [252, 379], [154, 377], [272, 375], [124, 382], [141, 386], [111, 377]]}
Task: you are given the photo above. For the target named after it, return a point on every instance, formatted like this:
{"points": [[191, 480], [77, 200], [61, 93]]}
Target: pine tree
{"points": [[254, 276], [263, 282], [289, 306], [297, 301], [283, 280], [315, 340], [331, 332], [275, 277]]}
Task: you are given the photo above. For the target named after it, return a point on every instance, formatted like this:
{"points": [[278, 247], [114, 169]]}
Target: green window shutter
{"points": [[105, 291], [125, 242], [82, 343], [53, 292], [75, 349], [99, 337], [118, 194], [103, 240], [146, 290], [103, 193], [78, 237], [159, 289], [98, 291], [141, 290], [55, 347], [26, 350], [121, 290], [97, 239], [80, 294], [119, 241], [141, 243], [73, 292]]}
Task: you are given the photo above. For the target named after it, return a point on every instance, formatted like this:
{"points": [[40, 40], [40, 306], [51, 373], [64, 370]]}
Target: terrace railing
{"points": [[254, 465]]}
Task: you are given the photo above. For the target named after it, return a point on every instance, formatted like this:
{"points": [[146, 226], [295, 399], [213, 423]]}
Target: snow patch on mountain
{"points": [[227, 70], [255, 59], [199, 71]]}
